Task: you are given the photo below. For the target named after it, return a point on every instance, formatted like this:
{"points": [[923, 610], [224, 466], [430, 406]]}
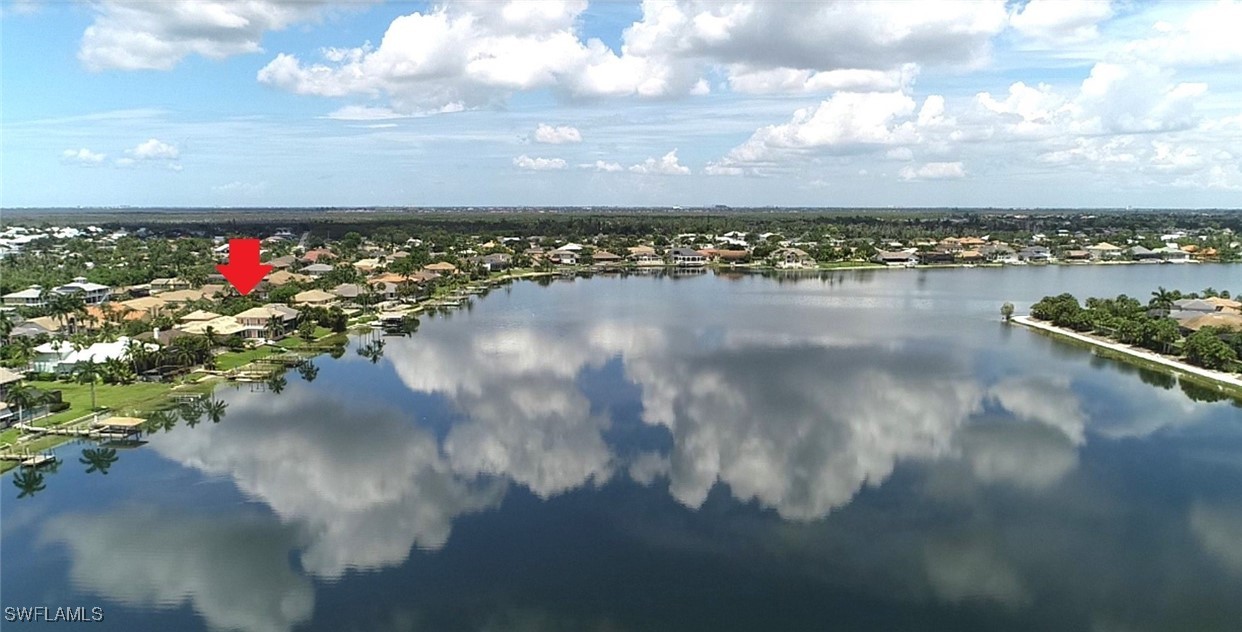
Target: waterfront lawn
{"points": [[234, 359], [117, 397]]}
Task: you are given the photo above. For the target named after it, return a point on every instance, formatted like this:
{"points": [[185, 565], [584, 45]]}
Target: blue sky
{"points": [[683, 102]]}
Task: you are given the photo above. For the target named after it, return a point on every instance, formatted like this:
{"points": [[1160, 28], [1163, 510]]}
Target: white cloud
{"points": [[789, 80], [539, 164], [1059, 21], [903, 154], [142, 35], [363, 505], [847, 122], [666, 165], [557, 135], [154, 149], [601, 165], [477, 53], [83, 157], [934, 171], [232, 570], [1206, 36]]}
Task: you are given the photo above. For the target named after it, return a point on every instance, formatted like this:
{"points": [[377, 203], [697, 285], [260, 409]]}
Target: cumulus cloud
{"points": [[154, 149], [539, 164], [845, 123], [1204, 36], [934, 171], [83, 157], [666, 165], [141, 35], [557, 135], [1058, 22], [363, 504], [232, 570], [476, 53], [602, 165]]}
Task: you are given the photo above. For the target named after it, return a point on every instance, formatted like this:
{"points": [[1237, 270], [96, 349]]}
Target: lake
{"points": [[852, 450]]}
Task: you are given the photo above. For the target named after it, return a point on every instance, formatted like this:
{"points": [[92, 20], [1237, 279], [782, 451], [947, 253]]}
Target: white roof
{"points": [[32, 292]]}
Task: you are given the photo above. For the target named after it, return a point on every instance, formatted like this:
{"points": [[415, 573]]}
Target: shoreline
{"points": [[1228, 383]]}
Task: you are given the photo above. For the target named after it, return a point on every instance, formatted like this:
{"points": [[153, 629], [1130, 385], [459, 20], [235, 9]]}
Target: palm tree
{"points": [[1162, 299], [213, 339], [87, 373], [25, 396], [277, 383], [160, 420], [275, 327], [308, 370], [215, 410], [99, 459], [6, 326], [30, 481], [191, 412]]}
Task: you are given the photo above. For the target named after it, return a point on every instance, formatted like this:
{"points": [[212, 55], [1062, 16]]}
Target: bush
{"points": [[56, 407]]}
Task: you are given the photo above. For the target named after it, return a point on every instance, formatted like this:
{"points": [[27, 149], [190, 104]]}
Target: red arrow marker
{"points": [[244, 270]]}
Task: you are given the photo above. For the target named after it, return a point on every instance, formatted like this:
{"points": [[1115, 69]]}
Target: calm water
{"points": [[866, 450]]}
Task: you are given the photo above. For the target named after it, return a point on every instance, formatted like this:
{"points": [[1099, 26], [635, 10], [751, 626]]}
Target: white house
{"points": [[29, 297], [92, 293], [59, 356]]}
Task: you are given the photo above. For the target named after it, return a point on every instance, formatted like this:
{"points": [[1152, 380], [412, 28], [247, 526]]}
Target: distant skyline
{"points": [[481, 103]]}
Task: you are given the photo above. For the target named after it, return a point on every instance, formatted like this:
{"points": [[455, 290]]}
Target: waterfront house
{"points": [[935, 256], [645, 256], [220, 326], [1194, 305], [1221, 320], [1076, 255], [1225, 304], [1139, 253], [256, 320], [49, 355], [1035, 254], [1173, 254], [497, 261], [895, 258], [970, 256], [563, 257], [605, 258], [686, 257], [792, 258], [29, 297], [1103, 251], [8, 379]]}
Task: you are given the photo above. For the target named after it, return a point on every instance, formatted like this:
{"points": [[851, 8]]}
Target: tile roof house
{"points": [[256, 320], [314, 297], [317, 269], [441, 266]]}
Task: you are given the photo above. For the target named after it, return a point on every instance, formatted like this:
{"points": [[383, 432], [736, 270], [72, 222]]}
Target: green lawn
{"points": [[121, 398], [234, 359]]}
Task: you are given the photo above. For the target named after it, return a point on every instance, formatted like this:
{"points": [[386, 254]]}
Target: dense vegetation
{"points": [[1129, 321]]}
